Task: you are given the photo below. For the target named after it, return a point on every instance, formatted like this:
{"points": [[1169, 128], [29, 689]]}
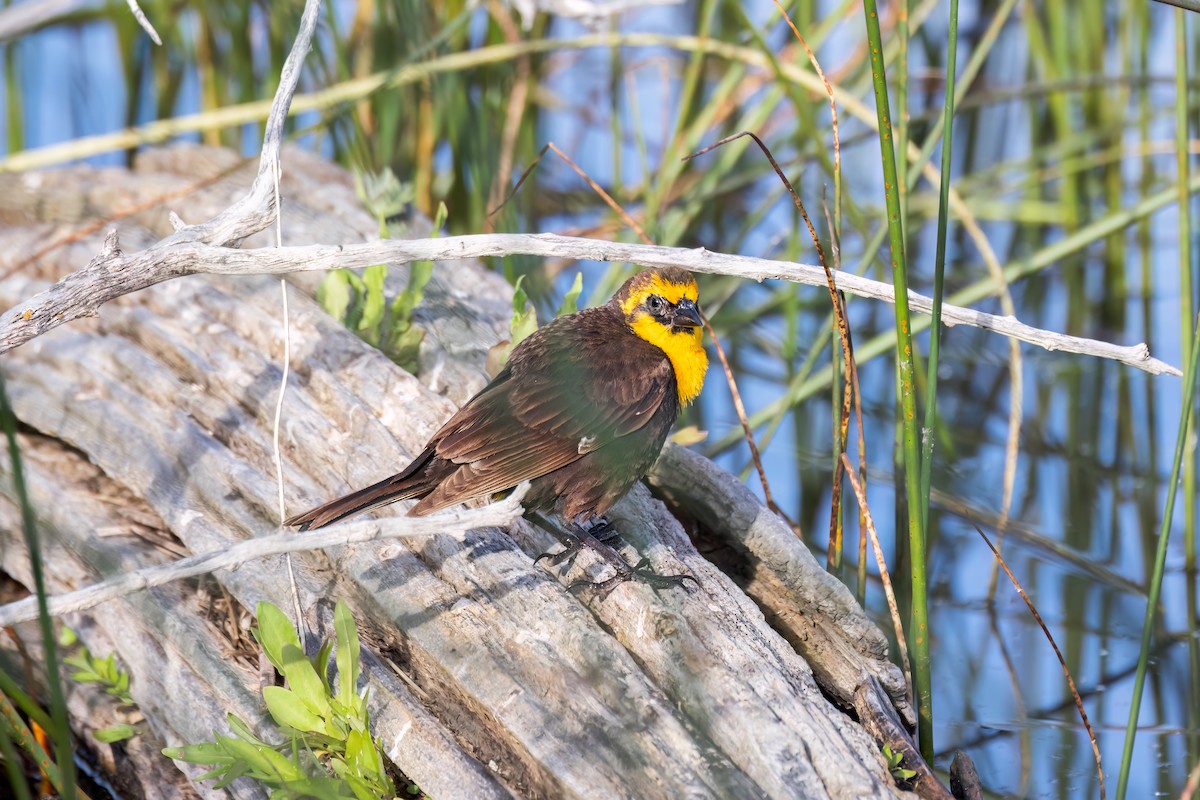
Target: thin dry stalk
{"points": [[837, 142], [517, 100], [839, 311], [852, 381], [605, 196], [1062, 661], [1193, 783], [740, 408], [884, 576], [276, 454]]}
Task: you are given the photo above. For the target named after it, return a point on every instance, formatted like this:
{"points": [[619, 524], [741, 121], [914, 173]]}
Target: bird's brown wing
{"points": [[574, 386]]}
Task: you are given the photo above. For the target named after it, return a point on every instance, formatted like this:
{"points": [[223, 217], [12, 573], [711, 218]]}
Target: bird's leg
{"points": [[598, 527], [601, 528]]}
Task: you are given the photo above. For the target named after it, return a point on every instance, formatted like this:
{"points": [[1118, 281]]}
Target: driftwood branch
{"points": [[113, 274], [487, 676], [457, 522]]}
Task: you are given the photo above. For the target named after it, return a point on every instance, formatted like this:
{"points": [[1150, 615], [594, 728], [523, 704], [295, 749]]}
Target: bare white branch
{"points": [[81, 293], [452, 523], [140, 16]]}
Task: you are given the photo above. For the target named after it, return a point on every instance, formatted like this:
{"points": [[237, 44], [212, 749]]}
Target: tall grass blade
{"points": [[919, 629], [64, 752], [939, 267]]}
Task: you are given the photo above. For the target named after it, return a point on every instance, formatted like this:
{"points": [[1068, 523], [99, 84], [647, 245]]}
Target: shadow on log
{"points": [[487, 678]]}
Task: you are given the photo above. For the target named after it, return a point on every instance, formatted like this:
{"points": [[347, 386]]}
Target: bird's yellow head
{"points": [[661, 306]]}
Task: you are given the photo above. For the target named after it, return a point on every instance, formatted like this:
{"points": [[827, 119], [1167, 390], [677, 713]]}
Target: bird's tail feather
{"points": [[412, 482]]}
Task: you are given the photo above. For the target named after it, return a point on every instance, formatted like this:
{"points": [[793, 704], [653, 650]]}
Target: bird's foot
{"points": [[640, 572], [595, 534]]}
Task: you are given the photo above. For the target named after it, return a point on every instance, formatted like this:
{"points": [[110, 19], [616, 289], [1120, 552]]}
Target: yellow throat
{"points": [[684, 348]]}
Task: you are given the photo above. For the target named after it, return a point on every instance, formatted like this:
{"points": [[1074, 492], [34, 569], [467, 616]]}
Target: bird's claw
{"points": [[567, 554]]}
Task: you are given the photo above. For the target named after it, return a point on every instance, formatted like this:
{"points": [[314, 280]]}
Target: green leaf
{"points": [[904, 774], [273, 632], [231, 773], [206, 753], [347, 654], [115, 733], [67, 637], [439, 218], [320, 663], [334, 294], [570, 302], [373, 302], [418, 278], [520, 298], [288, 710], [242, 730], [404, 347], [523, 325], [383, 194], [303, 680], [369, 790], [263, 760], [82, 661], [524, 319]]}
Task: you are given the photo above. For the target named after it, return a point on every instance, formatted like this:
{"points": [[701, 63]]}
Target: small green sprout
{"points": [[360, 302], [101, 672], [328, 751], [894, 760]]}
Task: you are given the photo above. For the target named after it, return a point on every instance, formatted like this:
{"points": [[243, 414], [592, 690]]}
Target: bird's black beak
{"points": [[687, 315]]}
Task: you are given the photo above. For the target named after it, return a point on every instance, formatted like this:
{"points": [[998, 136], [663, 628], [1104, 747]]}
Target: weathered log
{"points": [[512, 683]]}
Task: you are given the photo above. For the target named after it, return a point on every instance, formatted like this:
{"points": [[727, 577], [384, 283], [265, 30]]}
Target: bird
{"points": [[581, 410]]}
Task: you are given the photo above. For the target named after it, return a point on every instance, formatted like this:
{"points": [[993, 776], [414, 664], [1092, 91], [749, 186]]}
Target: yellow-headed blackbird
{"points": [[581, 410]]}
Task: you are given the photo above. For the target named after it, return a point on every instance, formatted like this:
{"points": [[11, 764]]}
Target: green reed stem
{"points": [[939, 267], [1186, 300], [919, 628], [1184, 449], [1160, 560], [901, 122], [12, 765], [15, 730], [61, 730]]}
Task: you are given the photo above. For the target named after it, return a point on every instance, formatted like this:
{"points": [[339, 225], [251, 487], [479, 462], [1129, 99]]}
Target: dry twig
{"points": [[452, 523]]}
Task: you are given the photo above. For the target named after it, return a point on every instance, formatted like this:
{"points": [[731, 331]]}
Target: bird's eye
{"points": [[655, 303]]}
